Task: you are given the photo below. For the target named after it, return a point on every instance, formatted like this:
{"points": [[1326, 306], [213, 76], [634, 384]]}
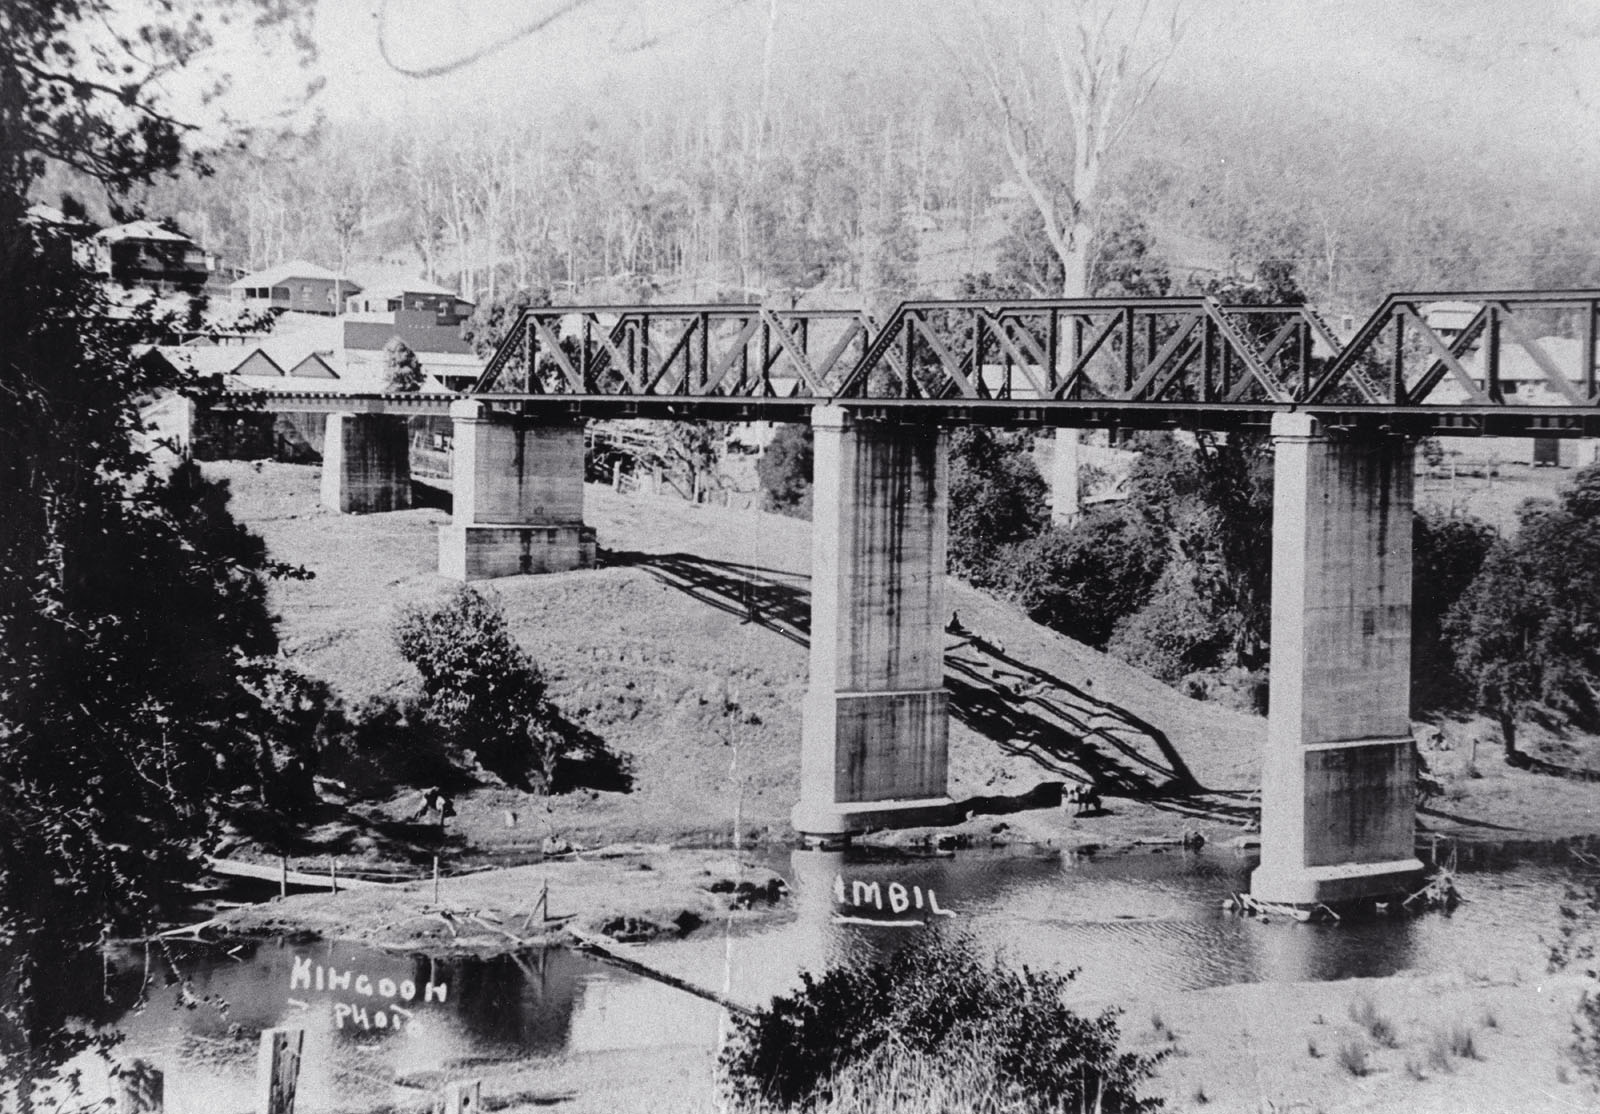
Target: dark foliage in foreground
{"points": [[943, 1001]]}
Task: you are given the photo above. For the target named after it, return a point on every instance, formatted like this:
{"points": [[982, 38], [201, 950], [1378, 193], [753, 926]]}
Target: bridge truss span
{"points": [[672, 352], [1189, 362]]}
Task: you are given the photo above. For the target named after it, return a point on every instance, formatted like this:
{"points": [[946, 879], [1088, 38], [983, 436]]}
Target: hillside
{"points": [[658, 655]]}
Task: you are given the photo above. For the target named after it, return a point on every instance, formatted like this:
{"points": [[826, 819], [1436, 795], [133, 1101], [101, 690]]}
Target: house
{"points": [[1524, 382], [412, 296], [297, 285], [145, 253], [439, 347]]}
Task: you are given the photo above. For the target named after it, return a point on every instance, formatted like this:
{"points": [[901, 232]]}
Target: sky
{"points": [[1503, 78], [1522, 64]]}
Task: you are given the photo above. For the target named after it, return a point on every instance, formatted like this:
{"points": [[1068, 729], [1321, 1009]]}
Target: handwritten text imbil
{"points": [[900, 897]]}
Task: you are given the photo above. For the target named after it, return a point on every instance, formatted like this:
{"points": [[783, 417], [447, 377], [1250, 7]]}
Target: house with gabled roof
{"points": [[145, 253], [296, 285]]}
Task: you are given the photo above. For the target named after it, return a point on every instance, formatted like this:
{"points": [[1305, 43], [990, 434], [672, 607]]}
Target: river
{"points": [[1132, 923]]}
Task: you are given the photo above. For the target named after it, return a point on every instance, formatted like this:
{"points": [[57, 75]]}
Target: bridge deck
{"points": [[1192, 363]]}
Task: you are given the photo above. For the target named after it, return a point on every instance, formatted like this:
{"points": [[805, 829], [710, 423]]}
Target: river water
{"points": [[1132, 923]]}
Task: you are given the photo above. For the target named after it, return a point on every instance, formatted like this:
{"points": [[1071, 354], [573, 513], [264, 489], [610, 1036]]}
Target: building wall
{"points": [[307, 295]]}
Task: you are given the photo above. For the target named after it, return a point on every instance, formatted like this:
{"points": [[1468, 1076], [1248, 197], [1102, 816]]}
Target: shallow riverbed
{"points": [[1135, 924]]}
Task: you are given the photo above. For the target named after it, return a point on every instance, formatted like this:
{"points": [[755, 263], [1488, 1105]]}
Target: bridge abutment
{"points": [[1338, 780], [517, 497], [366, 463], [874, 741]]}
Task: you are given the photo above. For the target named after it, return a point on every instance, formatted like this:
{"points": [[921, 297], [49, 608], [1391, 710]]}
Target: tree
{"points": [[132, 606], [933, 1010], [481, 687], [403, 371], [1122, 263], [1084, 579], [997, 498], [493, 318], [1525, 631], [785, 471], [694, 448], [1447, 553], [1093, 86]]}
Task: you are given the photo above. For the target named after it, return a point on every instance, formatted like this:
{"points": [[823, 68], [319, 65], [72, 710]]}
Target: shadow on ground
{"points": [[1061, 727]]}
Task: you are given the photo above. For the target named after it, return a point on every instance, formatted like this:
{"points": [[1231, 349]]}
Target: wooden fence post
{"points": [[463, 1098], [140, 1088], [278, 1069]]}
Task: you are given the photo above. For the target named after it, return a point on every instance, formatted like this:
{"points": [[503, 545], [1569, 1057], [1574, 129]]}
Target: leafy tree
{"points": [[132, 606], [940, 1005], [997, 498], [1178, 632], [481, 687], [489, 323], [402, 368], [1121, 261], [1524, 632], [1236, 492], [1447, 553], [785, 471], [694, 449], [1083, 580]]}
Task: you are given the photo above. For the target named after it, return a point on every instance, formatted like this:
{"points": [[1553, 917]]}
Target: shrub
{"points": [[1176, 633], [997, 499], [480, 686], [935, 1003], [1447, 553], [785, 471], [1083, 580]]}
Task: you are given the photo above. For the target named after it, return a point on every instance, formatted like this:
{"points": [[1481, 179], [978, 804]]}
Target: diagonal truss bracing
{"points": [[1027, 359]]}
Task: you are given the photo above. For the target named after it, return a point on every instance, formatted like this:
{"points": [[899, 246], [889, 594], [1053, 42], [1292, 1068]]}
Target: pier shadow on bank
{"points": [[1027, 711]]}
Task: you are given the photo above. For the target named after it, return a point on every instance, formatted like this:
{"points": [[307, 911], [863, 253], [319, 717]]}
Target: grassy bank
{"points": [[689, 646]]}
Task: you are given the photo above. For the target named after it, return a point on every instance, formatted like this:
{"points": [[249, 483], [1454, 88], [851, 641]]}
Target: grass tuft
{"points": [[1454, 1042], [1378, 1027], [1353, 1057]]}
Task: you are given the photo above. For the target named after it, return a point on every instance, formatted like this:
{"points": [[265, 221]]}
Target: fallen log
{"points": [[262, 872]]}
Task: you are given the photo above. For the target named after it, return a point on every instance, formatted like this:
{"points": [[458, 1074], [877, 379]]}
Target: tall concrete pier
{"points": [[366, 463], [518, 497], [874, 742], [1337, 796]]}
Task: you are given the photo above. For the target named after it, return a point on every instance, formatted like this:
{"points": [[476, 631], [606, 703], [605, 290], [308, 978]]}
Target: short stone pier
{"points": [[366, 463], [517, 496], [1337, 797], [874, 741]]}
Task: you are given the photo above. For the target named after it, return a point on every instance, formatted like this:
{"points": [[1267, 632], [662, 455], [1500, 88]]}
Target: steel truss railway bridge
{"points": [[1344, 416]]}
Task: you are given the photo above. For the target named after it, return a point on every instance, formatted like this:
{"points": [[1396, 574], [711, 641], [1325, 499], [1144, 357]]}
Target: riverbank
{"points": [[1445, 1045], [625, 895], [686, 654]]}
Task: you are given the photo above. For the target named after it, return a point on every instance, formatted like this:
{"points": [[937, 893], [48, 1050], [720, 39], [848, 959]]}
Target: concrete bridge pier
{"points": [[366, 463], [874, 740], [1338, 781], [517, 496]]}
